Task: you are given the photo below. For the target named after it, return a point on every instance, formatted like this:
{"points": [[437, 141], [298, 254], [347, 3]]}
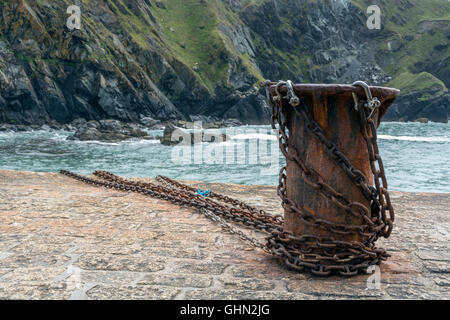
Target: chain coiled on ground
{"points": [[321, 256]]}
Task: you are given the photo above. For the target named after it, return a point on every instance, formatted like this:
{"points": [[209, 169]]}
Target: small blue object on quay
{"points": [[203, 193]]}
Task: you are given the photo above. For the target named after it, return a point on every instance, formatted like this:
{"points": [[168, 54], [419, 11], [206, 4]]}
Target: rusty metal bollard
{"points": [[336, 110]]}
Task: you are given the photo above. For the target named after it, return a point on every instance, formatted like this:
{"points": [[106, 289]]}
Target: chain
{"points": [[169, 183], [376, 222], [301, 253], [322, 256], [369, 133], [233, 230], [261, 214]]}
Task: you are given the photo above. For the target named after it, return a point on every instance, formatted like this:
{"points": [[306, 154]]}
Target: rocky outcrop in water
{"points": [[144, 59], [412, 107], [179, 136], [108, 131]]}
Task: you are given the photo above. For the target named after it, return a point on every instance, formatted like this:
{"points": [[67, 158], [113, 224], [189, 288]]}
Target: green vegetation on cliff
{"points": [[424, 81], [190, 28], [415, 34], [177, 58]]}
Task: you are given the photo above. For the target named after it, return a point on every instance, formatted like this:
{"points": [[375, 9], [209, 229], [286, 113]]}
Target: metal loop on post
{"points": [[366, 88], [279, 96], [294, 100], [372, 102]]}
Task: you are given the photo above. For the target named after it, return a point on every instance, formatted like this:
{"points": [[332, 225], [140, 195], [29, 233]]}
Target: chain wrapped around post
{"points": [[376, 223], [321, 256]]}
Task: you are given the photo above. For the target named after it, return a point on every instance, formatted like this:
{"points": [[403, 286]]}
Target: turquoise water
{"points": [[416, 156]]}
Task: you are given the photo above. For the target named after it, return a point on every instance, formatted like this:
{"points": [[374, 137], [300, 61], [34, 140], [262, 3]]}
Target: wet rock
{"points": [[205, 122], [414, 106], [68, 127], [150, 122], [85, 133], [168, 137], [175, 136], [253, 107], [213, 125], [231, 123], [45, 127], [108, 131], [78, 122], [22, 128], [422, 120], [54, 125]]}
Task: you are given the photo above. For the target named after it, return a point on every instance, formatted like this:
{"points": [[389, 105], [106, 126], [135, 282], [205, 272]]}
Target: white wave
{"points": [[257, 136], [94, 142], [141, 141], [59, 137], [6, 134], [417, 139], [121, 143], [229, 143], [45, 154]]}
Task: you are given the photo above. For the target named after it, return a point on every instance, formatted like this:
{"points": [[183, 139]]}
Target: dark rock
{"points": [[231, 123], [168, 137], [213, 125], [179, 136], [253, 108], [160, 5], [54, 125], [22, 128], [8, 127], [204, 122], [202, 118], [68, 127], [45, 127], [92, 124], [110, 125], [107, 130], [413, 106], [150, 122]]}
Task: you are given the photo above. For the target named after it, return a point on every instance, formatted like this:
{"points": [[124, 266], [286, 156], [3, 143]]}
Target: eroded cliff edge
{"points": [[175, 59]]}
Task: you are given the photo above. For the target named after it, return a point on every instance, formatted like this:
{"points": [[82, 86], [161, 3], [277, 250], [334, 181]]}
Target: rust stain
{"points": [[341, 126]]}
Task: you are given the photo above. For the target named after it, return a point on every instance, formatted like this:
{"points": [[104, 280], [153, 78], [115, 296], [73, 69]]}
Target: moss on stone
{"points": [[424, 81], [403, 25]]}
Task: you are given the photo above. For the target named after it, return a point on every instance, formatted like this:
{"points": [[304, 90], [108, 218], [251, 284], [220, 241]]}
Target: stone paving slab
{"points": [[62, 239]]}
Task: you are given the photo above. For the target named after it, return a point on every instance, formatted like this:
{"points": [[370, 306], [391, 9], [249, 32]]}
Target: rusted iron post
{"points": [[333, 108]]}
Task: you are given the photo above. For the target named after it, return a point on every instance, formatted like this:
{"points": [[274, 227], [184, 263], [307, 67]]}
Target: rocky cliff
{"points": [[178, 59]]}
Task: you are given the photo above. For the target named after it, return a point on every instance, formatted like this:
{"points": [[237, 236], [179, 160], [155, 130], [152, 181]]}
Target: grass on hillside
{"points": [[192, 24], [402, 26], [409, 83]]}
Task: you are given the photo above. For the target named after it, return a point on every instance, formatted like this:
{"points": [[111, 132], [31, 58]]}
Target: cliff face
{"points": [[179, 58]]}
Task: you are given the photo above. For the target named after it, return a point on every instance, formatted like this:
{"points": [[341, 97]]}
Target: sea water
{"points": [[416, 156]]}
